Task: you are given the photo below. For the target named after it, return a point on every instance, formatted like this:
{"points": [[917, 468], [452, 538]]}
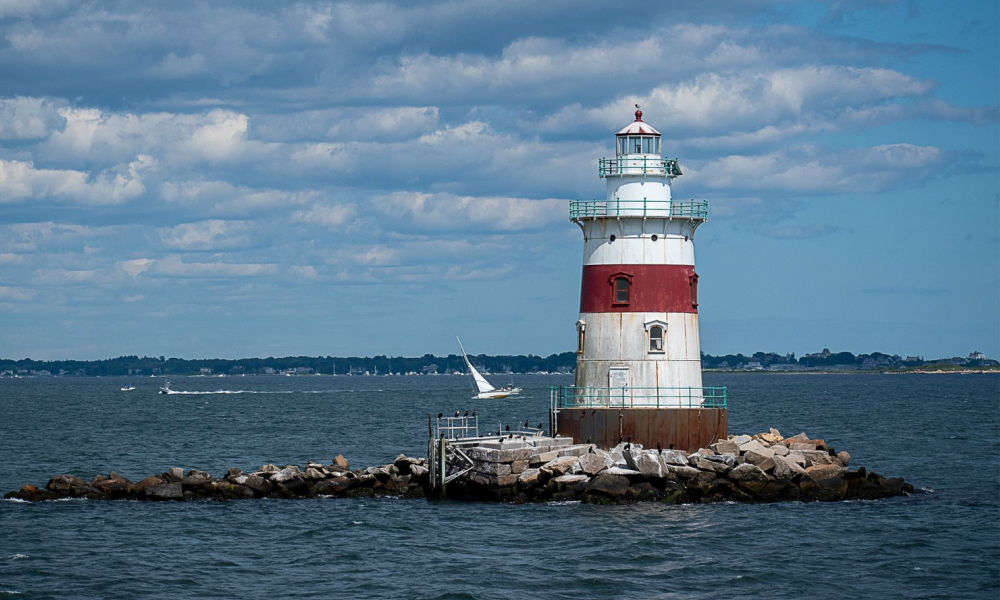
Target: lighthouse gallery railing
{"points": [[689, 209], [630, 397], [638, 165]]}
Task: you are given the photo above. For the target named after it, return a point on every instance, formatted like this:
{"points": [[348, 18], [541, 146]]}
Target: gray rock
{"points": [[780, 450], [258, 484], [674, 457], [797, 458], [528, 477], [820, 472], [620, 471], [755, 446], [561, 466], [165, 491], [493, 468], [725, 447], [629, 459], [648, 463], [518, 466], [284, 475], [785, 468], [418, 471], [63, 483], [816, 457], [340, 462], [592, 464], [267, 470], [314, 474], [843, 458], [606, 483], [570, 479], [233, 472], [739, 440], [755, 458], [332, 486], [706, 464], [173, 474], [685, 472], [749, 478]]}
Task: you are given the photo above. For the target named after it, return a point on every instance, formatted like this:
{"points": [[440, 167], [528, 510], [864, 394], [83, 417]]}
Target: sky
{"points": [[209, 179]]}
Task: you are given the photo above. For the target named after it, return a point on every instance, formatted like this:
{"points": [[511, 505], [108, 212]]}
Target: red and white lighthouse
{"points": [[638, 369]]}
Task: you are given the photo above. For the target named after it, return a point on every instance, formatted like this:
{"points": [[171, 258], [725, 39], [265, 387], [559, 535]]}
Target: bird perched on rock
{"points": [[659, 448], [508, 428]]}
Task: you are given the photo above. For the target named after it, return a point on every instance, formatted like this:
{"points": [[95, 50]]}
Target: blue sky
{"points": [[235, 179]]}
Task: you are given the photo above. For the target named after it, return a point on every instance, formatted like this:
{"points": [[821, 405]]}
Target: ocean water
{"points": [[940, 432]]}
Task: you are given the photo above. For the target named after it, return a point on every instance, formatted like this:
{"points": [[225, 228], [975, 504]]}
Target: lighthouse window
{"points": [[622, 146], [637, 144], [621, 290], [647, 145], [694, 290], [656, 339]]}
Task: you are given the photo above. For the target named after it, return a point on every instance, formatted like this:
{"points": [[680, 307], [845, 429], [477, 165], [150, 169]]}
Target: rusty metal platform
{"points": [[680, 428]]}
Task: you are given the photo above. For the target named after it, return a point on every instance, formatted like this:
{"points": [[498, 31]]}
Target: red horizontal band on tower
{"points": [[651, 288]]}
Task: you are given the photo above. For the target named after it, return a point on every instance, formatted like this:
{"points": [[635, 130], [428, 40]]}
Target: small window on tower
{"points": [[694, 290], [621, 290], [622, 146], [656, 339], [637, 144], [581, 328]]}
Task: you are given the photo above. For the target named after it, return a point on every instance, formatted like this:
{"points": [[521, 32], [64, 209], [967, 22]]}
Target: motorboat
{"points": [[128, 388], [165, 389], [485, 390]]}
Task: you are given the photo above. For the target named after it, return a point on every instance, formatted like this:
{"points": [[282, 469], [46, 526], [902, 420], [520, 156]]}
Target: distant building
{"points": [[431, 369]]}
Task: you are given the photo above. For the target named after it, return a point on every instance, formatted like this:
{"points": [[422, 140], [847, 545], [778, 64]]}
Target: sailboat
{"points": [[485, 391]]}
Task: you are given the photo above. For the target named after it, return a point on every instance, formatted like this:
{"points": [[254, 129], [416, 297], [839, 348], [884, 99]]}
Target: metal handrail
{"points": [[627, 397], [638, 165], [617, 207]]}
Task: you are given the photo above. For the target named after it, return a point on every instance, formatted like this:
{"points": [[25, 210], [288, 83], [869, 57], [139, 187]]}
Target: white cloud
{"points": [[448, 212], [20, 180], [17, 294], [24, 118], [327, 215], [214, 234]]}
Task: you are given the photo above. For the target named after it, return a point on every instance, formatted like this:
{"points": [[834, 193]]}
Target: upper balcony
{"points": [[670, 209], [639, 165]]}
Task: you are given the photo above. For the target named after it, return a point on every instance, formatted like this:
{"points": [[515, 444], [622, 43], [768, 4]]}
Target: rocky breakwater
{"points": [[746, 468], [406, 477]]}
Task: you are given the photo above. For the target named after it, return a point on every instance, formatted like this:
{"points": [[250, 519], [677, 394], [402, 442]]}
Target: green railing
{"points": [[588, 209], [629, 397], [638, 165]]}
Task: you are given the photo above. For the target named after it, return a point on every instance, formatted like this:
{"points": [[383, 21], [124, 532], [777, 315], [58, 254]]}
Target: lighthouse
{"points": [[638, 366]]}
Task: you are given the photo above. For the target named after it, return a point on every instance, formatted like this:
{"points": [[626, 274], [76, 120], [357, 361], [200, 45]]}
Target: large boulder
{"points": [[528, 478], [592, 464], [757, 448], [138, 488], [332, 486], [614, 486], [749, 478], [648, 464], [784, 468], [843, 458], [165, 491], [725, 447], [718, 464], [259, 485], [674, 457], [63, 484], [561, 466], [820, 472], [341, 463]]}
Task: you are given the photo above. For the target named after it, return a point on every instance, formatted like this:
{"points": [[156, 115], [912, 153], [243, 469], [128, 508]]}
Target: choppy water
{"points": [[940, 432]]}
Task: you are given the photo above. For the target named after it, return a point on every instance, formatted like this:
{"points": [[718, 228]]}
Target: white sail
{"points": [[481, 384]]}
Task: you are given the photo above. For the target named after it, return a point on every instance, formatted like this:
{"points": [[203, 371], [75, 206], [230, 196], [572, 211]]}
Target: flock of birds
{"points": [[504, 434]]}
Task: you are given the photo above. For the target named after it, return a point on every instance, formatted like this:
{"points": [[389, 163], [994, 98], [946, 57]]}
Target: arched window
{"points": [[694, 290], [581, 338], [621, 288], [656, 339], [656, 336]]}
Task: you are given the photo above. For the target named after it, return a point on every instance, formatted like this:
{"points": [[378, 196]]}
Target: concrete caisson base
{"points": [[685, 429]]}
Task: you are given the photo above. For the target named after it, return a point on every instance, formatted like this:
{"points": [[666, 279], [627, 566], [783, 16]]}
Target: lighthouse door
{"points": [[618, 382]]}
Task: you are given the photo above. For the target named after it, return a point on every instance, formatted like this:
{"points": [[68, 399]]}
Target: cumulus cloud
{"points": [[214, 234], [448, 212], [21, 181], [327, 215]]}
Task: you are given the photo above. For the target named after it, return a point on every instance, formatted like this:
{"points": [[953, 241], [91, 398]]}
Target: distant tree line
{"points": [[452, 363], [325, 365]]}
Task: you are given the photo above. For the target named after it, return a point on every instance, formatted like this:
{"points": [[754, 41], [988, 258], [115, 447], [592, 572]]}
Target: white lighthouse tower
{"points": [[638, 369]]}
